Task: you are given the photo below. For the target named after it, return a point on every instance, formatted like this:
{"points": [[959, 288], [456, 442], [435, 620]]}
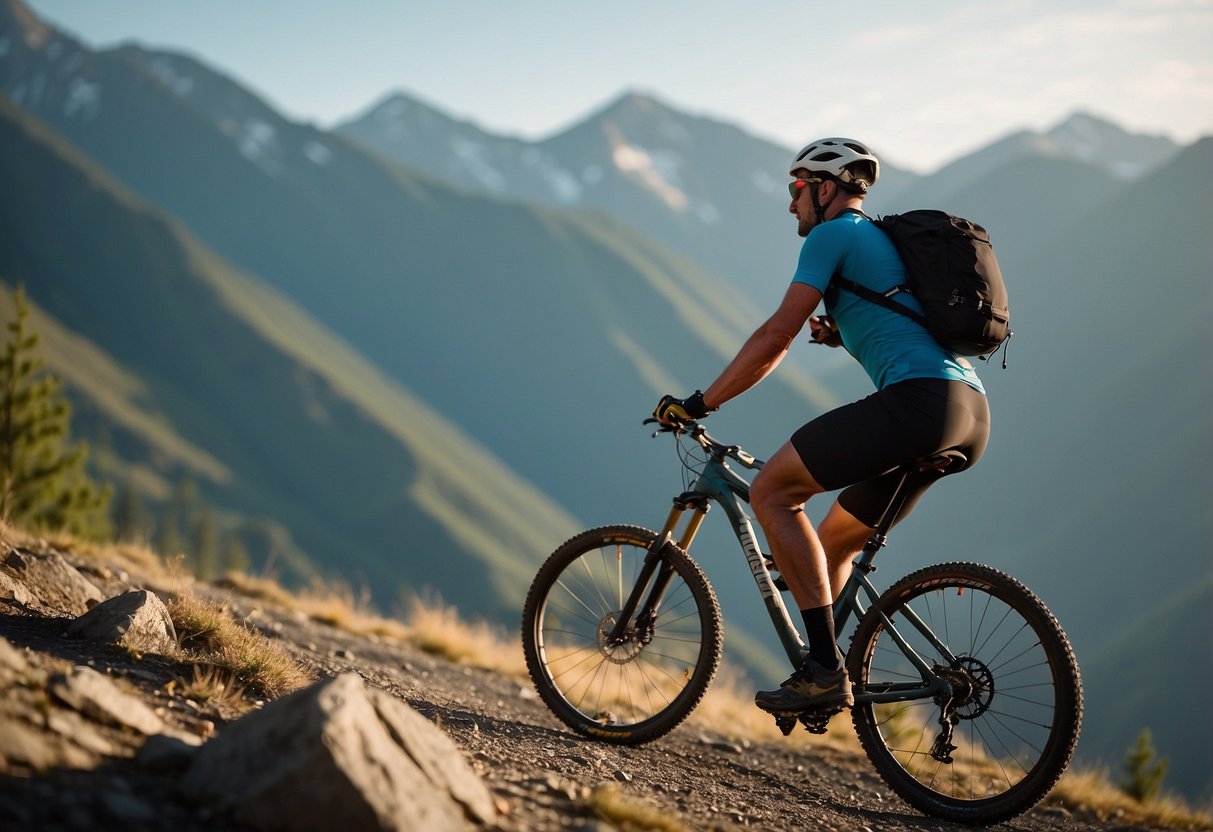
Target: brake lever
{"points": [[674, 428]]}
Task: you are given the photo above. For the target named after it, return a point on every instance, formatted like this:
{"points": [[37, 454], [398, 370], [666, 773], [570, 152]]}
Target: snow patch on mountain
{"points": [[1091, 140], [563, 183], [171, 77], [472, 155], [657, 171], [83, 99], [257, 141], [317, 153]]}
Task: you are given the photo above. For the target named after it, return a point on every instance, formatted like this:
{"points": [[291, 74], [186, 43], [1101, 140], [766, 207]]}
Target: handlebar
{"points": [[715, 448]]}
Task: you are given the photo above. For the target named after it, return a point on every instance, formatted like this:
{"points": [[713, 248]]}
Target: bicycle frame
{"points": [[718, 483]]}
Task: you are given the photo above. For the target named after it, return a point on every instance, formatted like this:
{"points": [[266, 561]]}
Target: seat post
{"points": [[880, 535], [941, 464]]}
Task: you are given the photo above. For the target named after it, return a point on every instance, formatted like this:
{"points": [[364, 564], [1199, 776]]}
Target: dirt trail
{"points": [[540, 773]]}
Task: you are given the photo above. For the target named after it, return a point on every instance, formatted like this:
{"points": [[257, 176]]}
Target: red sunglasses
{"points": [[794, 188]]}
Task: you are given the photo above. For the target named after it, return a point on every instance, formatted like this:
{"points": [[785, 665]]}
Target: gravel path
{"points": [[541, 774]]}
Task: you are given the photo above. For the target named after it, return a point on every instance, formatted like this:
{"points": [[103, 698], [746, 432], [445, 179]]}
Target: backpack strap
{"points": [[884, 299]]}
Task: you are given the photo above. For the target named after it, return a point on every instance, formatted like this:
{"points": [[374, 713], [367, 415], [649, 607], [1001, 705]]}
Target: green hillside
{"points": [[546, 336], [370, 482], [1173, 636], [1105, 457], [296, 425]]}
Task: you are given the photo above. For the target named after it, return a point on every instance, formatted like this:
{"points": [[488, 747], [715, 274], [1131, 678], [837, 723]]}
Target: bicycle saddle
{"points": [[945, 462]]}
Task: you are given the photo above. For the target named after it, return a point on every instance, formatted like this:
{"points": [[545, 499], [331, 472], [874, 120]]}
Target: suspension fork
{"points": [[655, 561]]}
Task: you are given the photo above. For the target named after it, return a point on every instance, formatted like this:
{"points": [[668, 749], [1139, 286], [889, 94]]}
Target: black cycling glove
{"points": [[670, 409]]}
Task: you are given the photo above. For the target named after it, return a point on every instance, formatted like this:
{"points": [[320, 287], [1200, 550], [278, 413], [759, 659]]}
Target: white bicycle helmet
{"points": [[848, 161]]}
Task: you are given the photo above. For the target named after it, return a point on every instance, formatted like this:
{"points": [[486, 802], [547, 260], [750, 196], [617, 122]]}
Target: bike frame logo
{"points": [[745, 534]]}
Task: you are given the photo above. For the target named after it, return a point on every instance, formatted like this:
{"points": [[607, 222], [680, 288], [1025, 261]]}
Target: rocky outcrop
{"points": [[99, 699], [340, 755], [137, 619], [72, 718], [48, 583]]}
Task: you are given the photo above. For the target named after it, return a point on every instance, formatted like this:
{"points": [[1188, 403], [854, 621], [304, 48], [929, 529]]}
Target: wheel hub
{"points": [[618, 651]]}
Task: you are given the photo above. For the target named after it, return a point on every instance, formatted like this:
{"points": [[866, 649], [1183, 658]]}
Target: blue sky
{"points": [[921, 81]]}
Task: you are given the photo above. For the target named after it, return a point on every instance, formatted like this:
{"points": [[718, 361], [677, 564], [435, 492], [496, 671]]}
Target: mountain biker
{"points": [[926, 400]]}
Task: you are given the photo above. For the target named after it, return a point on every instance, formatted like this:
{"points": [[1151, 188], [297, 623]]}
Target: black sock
{"points": [[819, 626]]}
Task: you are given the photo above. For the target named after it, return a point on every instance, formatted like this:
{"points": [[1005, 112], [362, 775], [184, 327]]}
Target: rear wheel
{"points": [[994, 747], [630, 690]]}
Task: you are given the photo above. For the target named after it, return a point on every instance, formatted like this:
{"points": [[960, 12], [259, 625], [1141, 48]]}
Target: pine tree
{"points": [[1144, 770], [170, 540], [130, 520], [205, 545], [235, 556], [43, 483]]}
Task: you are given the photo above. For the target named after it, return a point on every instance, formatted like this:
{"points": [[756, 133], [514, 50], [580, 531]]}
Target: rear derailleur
{"points": [[942, 748]]}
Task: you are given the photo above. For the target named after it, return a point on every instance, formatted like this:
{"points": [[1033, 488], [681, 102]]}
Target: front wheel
{"points": [[625, 690], [993, 741]]}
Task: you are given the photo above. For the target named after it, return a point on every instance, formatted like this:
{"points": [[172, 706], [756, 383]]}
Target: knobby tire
{"points": [[636, 691], [1017, 687]]}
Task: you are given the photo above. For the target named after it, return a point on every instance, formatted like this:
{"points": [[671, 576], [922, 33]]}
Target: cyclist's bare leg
{"points": [[778, 496], [843, 537]]}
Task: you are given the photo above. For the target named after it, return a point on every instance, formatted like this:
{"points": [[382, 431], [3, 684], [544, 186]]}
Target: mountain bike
{"points": [[968, 697]]}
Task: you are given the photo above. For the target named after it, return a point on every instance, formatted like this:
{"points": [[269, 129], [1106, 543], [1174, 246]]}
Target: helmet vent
{"points": [[825, 157]]}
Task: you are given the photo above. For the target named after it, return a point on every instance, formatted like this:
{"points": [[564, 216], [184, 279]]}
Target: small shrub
{"points": [[1144, 770]]}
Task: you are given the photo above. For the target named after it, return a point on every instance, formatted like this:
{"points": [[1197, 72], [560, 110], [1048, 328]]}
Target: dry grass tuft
{"points": [[1092, 790], [336, 606], [631, 814], [208, 632], [429, 624], [211, 684], [437, 628]]}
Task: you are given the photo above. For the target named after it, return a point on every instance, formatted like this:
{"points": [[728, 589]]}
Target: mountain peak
{"points": [[637, 101], [1093, 139]]}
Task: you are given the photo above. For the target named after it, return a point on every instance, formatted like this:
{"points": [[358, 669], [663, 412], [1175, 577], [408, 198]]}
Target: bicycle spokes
{"points": [[999, 724], [613, 675]]}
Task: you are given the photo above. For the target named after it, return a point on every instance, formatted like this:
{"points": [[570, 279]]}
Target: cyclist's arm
{"points": [[766, 347]]}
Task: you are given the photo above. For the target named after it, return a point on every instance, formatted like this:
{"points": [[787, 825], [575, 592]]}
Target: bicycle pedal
{"points": [[785, 724], [815, 723], [818, 721]]}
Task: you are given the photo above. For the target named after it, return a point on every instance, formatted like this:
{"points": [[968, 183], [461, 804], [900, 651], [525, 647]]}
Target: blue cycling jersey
{"points": [[890, 347]]}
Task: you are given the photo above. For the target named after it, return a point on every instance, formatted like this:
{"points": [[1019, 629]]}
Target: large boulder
{"points": [[339, 755], [137, 619]]}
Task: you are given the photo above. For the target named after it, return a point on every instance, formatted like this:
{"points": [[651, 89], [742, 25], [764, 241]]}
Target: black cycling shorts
{"points": [[857, 446]]}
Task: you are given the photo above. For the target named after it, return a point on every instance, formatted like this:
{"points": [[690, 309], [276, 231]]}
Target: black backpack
{"points": [[952, 271]]}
